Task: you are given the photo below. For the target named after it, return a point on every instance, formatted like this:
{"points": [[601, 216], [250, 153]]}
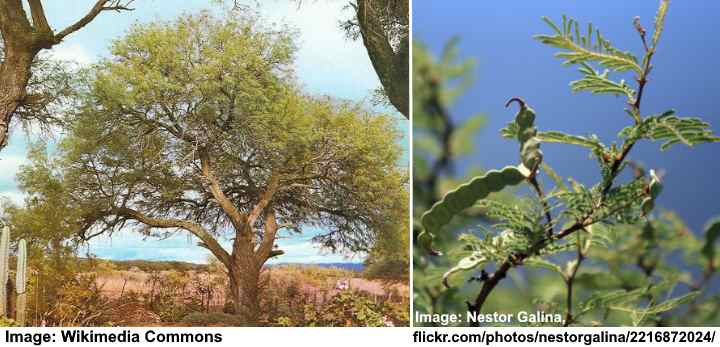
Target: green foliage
{"points": [[599, 83], [6, 322], [591, 142], [250, 120], [671, 129], [438, 140], [615, 256], [581, 48], [350, 309]]}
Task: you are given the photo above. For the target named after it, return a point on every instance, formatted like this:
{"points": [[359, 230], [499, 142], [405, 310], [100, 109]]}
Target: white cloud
{"points": [[327, 61], [10, 166], [71, 52]]}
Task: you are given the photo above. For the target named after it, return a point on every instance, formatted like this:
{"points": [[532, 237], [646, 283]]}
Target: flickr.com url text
{"points": [[587, 338]]}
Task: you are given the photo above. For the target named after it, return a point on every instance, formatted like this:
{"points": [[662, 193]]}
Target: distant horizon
{"points": [[195, 263]]}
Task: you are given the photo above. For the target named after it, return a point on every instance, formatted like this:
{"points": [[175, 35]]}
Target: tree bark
{"points": [[245, 287], [14, 76], [390, 64], [22, 41], [249, 257]]}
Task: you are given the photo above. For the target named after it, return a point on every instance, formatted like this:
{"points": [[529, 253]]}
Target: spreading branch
{"points": [[207, 239], [100, 6]]}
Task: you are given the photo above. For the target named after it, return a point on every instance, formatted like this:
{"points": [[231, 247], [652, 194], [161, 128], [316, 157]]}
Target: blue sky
{"points": [[511, 63], [327, 63]]}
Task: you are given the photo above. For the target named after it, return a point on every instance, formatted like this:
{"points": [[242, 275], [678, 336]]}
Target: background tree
{"points": [[23, 37], [46, 224], [389, 257], [198, 126], [440, 143]]}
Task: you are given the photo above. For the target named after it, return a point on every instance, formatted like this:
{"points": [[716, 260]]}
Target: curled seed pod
{"points": [[530, 154], [462, 197]]}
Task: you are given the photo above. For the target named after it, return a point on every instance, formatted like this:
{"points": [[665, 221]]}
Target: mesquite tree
{"points": [[23, 37], [573, 219], [198, 126]]}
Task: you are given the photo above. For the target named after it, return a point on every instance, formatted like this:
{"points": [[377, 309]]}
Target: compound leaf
{"points": [[672, 303], [580, 49], [672, 130], [599, 83], [544, 264], [560, 137]]}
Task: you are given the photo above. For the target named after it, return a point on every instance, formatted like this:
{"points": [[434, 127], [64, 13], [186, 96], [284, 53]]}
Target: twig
{"points": [[546, 207], [570, 279]]}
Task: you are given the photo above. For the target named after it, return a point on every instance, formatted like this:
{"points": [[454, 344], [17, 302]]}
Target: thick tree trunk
{"points": [[14, 76], [245, 286]]}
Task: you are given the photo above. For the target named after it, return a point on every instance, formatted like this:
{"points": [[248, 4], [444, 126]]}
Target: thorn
{"points": [[519, 100], [484, 275], [638, 26]]}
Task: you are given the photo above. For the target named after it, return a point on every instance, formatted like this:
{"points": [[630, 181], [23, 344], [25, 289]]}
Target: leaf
{"points": [[465, 264], [599, 83], [672, 303], [712, 234], [516, 218], [544, 264], [660, 21], [560, 137], [509, 131], [582, 49], [464, 196], [427, 145], [554, 177], [671, 129], [616, 296]]}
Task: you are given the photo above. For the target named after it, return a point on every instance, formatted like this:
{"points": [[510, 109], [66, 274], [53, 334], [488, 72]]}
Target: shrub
{"points": [[558, 230], [212, 319]]}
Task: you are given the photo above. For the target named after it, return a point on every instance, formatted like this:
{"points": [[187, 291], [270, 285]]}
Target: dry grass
{"points": [[310, 280]]}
